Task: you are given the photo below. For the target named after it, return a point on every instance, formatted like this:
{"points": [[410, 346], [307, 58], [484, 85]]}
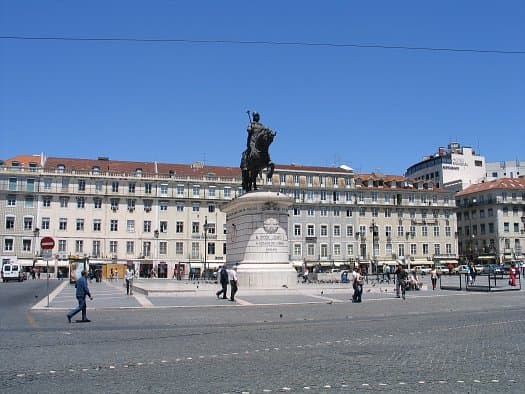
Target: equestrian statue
{"points": [[256, 156]]}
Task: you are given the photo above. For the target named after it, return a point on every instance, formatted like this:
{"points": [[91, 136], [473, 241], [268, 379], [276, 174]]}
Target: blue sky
{"points": [[372, 109]]}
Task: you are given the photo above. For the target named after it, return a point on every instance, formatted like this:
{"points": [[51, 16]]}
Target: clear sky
{"points": [[375, 109]]}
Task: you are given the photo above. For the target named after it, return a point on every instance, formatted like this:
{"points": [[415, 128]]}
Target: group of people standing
{"points": [[227, 276]]}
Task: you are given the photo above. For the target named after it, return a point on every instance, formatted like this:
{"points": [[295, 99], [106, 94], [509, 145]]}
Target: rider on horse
{"points": [[256, 156], [254, 131]]}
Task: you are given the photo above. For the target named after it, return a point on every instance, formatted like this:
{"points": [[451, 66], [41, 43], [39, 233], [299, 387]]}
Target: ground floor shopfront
{"points": [[104, 269]]}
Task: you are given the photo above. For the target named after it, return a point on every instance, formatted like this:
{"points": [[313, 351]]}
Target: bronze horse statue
{"points": [[255, 160]]}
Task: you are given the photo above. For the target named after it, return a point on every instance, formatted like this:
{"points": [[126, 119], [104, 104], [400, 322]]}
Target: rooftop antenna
{"points": [[337, 160]]}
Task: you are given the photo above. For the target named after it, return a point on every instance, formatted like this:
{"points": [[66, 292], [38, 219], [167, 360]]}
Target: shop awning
{"points": [[422, 262], [342, 263], [446, 262], [387, 262], [43, 263], [297, 263], [486, 257]]}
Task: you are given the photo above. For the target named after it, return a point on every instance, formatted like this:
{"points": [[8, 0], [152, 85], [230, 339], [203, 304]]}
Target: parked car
{"points": [[461, 269], [442, 269], [479, 268], [517, 263], [495, 269], [12, 272], [422, 270]]}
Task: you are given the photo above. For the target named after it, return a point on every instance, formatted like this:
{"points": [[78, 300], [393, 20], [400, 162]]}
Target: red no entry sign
{"points": [[47, 243]]}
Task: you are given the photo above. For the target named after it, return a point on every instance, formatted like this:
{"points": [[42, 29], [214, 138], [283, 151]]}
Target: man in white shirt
{"points": [[232, 277], [129, 280], [353, 277]]}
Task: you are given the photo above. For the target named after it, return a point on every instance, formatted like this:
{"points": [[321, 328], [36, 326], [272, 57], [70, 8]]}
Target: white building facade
{"points": [[166, 219], [505, 169], [454, 168]]}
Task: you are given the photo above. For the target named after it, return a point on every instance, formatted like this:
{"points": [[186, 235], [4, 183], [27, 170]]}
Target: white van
{"points": [[11, 272]]}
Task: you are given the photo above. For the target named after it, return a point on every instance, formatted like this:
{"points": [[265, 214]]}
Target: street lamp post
{"points": [[155, 254], [373, 229], [471, 230], [36, 233], [205, 244]]}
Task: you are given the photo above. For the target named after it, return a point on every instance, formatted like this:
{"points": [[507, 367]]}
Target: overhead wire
{"points": [[264, 42]]}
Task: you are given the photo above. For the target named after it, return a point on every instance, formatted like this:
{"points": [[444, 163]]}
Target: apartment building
{"points": [[341, 218], [454, 168], [491, 220], [505, 169], [167, 218], [154, 215]]}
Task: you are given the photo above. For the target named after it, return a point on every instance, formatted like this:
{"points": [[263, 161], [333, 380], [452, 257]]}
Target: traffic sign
{"points": [[47, 243]]}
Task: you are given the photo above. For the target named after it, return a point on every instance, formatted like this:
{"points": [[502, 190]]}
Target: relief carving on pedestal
{"points": [[271, 225]]}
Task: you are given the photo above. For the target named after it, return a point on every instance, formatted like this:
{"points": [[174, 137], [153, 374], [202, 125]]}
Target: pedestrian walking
{"points": [[353, 277], [512, 274], [400, 277], [129, 280], [473, 273], [232, 276], [433, 277], [81, 293], [223, 279], [359, 280], [305, 275], [467, 274]]}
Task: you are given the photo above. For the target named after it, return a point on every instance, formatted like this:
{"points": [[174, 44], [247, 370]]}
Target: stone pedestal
{"points": [[257, 240]]}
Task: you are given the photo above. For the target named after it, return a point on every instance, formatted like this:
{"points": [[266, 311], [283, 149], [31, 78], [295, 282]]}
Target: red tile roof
{"points": [[497, 184], [23, 160], [299, 167], [385, 178], [198, 169], [128, 167]]}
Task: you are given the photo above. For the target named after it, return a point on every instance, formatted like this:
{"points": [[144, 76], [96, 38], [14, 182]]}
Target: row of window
{"points": [[489, 247], [323, 250], [116, 187], [481, 199], [473, 230], [364, 197], [311, 248], [114, 203], [490, 213], [180, 206], [375, 212], [180, 191], [9, 245], [113, 225], [363, 229]]}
